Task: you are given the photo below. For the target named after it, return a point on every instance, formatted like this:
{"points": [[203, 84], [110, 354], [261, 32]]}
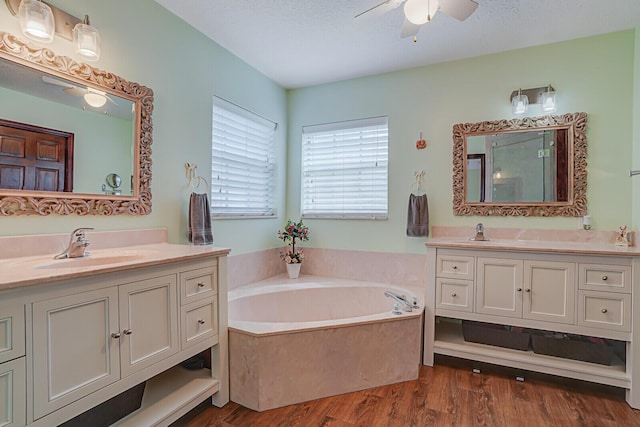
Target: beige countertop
{"points": [[587, 248], [39, 269]]}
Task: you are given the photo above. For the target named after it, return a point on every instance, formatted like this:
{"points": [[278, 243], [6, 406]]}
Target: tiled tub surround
{"points": [[121, 316], [384, 267], [297, 340]]}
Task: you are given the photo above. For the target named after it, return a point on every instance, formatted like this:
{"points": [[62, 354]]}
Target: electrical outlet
{"points": [[543, 153]]}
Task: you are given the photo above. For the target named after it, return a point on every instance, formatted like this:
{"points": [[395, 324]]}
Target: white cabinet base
{"points": [[170, 395]]}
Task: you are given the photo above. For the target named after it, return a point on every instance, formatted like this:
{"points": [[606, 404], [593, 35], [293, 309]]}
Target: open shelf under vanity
{"points": [[449, 341]]}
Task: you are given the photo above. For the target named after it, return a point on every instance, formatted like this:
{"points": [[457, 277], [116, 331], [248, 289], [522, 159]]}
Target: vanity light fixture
{"points": [[39, 21], [519, 104], [87, 40], [545, 96], [36, 20]]}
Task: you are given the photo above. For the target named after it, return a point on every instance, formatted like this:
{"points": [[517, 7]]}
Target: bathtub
{"points": [[296, 340]]}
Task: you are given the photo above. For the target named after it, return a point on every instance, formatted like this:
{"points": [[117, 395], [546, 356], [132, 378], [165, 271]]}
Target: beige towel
{"points": [[200, 220], [418, 216]]}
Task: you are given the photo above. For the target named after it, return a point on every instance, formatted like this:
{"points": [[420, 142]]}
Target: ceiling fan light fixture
{"points": [[36, 20], [86, 40], [420, 12], [94, 99]]}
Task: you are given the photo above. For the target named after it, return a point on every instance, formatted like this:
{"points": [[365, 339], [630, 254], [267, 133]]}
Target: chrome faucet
{"points": [[403, 300], [77, 244], [479, 233]]}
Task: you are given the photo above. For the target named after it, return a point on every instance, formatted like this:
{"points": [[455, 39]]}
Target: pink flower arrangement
{"points": [[293, 231]]}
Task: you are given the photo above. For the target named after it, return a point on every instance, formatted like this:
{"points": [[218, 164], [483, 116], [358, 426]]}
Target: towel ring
{"points": [[417, 182], [198, 180]]}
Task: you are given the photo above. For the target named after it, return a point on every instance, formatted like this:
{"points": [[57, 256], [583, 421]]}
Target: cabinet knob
{"points": [[455, 267], [200, 285], [454, 295], [127, 332], [519, 289], [200, 321], [527, 290], [604, 278], [115, 335], [604, 310]]}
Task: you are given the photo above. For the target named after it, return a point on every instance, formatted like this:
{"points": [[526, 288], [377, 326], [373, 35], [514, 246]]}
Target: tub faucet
{"points": [[77, 245], [402, 299], [479, 233]]}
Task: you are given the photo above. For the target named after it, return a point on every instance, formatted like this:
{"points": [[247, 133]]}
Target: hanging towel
{"points": [[418, 216], [200, 220]]}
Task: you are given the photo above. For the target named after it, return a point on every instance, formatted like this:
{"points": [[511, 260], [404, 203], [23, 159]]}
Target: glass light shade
{"points": [[519, 105], [86, 40], [548, 102], [419, 12], [94, 99], [36, 20]]}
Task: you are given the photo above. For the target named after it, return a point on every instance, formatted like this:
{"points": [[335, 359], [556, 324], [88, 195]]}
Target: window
{"points": [[242, 162], [345, 169]]}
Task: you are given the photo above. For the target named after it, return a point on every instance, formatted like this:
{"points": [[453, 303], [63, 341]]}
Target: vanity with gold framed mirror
{"points": [[105, 119], [521, 167]]}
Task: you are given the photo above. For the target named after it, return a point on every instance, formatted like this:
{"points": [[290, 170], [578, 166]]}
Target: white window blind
{"points": [[345, 169], [242, 162]]}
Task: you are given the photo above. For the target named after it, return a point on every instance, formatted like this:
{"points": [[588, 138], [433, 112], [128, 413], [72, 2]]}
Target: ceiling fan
{"points": [[419, 12], [93, 97]]}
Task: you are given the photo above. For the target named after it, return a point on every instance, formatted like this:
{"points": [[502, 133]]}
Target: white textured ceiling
{"points": [[300, 43]]}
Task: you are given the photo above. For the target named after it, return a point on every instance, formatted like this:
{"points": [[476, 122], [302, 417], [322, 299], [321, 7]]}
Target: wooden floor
{"points": [[449, 394]]}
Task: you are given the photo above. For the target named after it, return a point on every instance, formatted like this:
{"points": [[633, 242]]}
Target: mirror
{"points": [[525, 167], [107, 118]]}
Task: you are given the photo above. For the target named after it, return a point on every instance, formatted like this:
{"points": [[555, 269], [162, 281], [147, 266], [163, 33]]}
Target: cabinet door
{"points": [[73, 351], [499, 287], [148, 322], [549, 291], [12, 393], [11, 333]]}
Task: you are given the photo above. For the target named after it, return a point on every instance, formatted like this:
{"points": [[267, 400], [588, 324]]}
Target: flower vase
{"points": [[293, 270]]}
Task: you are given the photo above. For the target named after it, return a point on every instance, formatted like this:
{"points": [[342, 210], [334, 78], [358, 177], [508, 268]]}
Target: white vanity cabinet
{"points": [[86, 341], [12, 366], [529, 289], [92, 336], [575, 290]]}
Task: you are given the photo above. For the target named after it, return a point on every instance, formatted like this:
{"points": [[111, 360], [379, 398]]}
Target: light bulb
{"points": [[519, 104], [548, 101]]}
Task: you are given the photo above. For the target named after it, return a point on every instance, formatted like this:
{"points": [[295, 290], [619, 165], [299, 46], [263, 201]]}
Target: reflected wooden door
{"points": [[34, 158]]}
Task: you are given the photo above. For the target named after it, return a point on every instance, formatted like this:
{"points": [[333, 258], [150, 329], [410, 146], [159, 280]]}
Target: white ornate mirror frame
{"points": [[576, 205], [19, 202]]}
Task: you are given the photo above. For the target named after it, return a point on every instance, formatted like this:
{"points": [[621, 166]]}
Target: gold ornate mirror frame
{"points": [[576, 205], [20, 202]]}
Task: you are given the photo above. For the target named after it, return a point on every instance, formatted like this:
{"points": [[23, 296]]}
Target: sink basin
{"points": [[96, 259], [89, 261]]}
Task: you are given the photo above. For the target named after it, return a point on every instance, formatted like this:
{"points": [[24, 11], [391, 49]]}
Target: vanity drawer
{"points": [[12, 333], [456, 267], [454, 294], [602, 277], [199, 322], [198, 284], [605, 310]]}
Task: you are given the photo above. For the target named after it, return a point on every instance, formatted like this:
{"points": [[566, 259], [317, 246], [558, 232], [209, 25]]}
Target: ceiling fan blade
{"points": [[74, 91], [57, 82], [459, 9], [381, 8], [409, 29]]}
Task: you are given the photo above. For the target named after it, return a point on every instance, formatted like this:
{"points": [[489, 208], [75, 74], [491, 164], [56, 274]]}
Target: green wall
{"points": [[594, 75], [144, 43]]}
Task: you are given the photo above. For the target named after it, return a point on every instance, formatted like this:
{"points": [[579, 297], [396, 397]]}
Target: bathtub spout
{"points": [[402, 299]]}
